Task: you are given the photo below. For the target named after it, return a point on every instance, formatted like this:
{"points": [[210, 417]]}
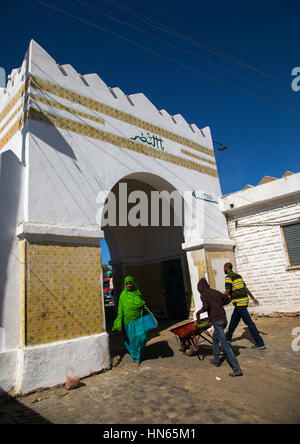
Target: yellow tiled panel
{"points": [[115, 113], [188, 153], [89, 131], [96, 106], [13, 115], [63, 293], [12, 131], [67, 108], [12, 102]]}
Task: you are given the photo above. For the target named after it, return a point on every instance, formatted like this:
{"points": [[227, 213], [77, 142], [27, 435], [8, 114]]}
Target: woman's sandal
{"points": [[136, 364]]}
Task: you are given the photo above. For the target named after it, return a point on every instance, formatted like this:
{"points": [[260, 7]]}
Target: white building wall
{"points": [[68, 170], [56, 172], [11, 210], [259, 245]]}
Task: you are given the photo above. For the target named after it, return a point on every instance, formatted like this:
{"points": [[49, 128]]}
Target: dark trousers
{"points": [[242, 313], [219, 337]]}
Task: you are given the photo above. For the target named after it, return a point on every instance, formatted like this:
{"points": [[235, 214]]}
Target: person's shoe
{"points": [[214, 363], [234, 374], [258, 347], [136, 364]]}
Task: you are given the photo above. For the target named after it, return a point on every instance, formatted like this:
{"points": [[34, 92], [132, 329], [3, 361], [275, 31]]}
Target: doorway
{"points": [[174, 290], [153, 255]]}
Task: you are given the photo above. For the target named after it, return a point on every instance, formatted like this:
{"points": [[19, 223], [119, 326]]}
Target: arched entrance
{"points": [[151, 250], [81, 139]]}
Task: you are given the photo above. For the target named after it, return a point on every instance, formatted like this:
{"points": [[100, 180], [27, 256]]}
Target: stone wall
{"points": [[260, 253]]}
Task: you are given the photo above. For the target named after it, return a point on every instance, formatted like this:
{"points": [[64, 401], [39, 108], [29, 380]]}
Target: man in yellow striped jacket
{"points": [[238, 291]]}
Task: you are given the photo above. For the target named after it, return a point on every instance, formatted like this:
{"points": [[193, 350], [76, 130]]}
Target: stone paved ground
{"points": [[172, 388]]}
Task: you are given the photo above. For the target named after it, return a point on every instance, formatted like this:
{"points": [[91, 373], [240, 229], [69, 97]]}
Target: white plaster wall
{"points": [[49, 365], [261, 194], [194, 282], [11, 199], [58, 186], [67, 170], [44, 66], [70, 181], [143, 243], [8, 369], [218, 264], [11, 212]]}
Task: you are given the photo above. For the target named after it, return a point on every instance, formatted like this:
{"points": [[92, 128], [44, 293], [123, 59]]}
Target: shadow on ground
{"points": [[247, 335], [153, 351], [157, 350], [14, 412]]}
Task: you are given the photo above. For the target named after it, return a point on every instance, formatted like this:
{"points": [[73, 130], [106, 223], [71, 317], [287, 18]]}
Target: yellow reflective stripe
{"points": [[241, 299], [237, 281], [238, 286]]}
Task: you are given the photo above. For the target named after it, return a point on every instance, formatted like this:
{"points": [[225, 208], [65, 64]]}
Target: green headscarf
{"points": [[134, 289], [130, 304]]}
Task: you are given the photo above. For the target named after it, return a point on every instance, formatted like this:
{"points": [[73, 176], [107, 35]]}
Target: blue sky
{"points": [[239, 85]]}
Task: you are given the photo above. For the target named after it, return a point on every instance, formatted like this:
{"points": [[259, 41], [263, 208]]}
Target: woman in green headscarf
{"points": [[130, 316]]}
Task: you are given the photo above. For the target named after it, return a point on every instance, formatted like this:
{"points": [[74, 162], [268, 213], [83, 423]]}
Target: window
{"points": [[291, 234]]}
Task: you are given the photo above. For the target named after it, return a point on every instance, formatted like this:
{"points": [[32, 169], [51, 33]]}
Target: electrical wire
{"points": [[198, 31], [116, 157], [187, 52], [168, 58], [204, 46]]}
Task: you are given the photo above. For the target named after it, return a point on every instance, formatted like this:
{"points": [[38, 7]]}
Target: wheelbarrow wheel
{"points": [[189, 351]]}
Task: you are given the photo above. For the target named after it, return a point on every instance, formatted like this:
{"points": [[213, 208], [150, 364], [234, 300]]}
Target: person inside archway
{"points": [[111, 286], [129, 320]]}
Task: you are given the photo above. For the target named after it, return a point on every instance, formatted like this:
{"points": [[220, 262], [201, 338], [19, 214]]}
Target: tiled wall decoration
{"points": [[12, 102], [188, 153], [12, 131], [12, 116], [123, 142], [90, 131], [63, 294], [67, 108], [115, 113], [18, 124]]}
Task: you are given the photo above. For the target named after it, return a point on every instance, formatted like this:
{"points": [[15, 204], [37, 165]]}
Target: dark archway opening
{"points": [[153, 255]]}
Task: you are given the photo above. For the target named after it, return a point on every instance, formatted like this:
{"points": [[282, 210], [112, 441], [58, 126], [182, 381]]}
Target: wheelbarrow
{"points": [[191, 334]]}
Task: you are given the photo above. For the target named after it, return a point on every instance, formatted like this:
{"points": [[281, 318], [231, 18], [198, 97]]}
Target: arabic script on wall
{"points": [[152, 140]]}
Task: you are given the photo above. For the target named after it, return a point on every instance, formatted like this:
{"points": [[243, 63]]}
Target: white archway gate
{"points": [[77, 140], [149, 244]]}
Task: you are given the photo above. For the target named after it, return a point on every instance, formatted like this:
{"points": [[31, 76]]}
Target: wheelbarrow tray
{"points": [[189, 335], [189, 329]]}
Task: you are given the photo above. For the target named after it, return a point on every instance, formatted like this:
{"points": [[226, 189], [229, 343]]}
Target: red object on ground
{"points": [[72, 382]]}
